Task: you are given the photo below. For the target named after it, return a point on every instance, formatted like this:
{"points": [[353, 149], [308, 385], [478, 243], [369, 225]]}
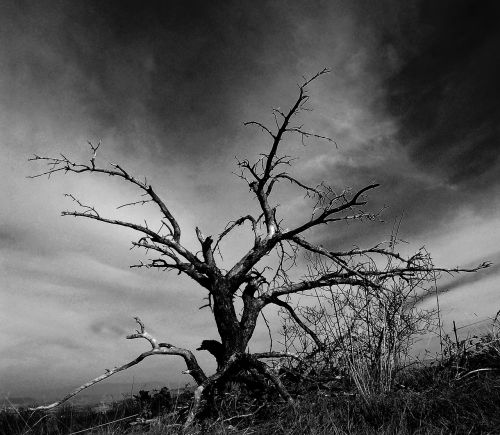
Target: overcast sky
{"points": [[412, 102]]}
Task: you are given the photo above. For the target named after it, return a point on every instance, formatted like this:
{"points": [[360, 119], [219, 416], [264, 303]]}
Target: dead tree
{"points": [[251, 279]]}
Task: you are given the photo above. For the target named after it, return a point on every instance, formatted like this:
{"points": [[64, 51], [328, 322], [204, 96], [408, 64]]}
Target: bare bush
{"points": [[361, 333]]}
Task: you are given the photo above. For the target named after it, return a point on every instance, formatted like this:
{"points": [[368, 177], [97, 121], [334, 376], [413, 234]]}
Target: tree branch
{"points": [[157, 349], [264, 370], [262, 126], [411, 268], [152, 234], [64, 164], [270, 161], [230, 226], [320, 345], [326, 280], [324, 217]]}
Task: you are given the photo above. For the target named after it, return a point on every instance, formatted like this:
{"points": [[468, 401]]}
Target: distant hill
{"points": [[99, 393]]}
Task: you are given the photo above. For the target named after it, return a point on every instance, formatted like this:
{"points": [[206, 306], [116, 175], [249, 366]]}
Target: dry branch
{"points": [[157, 349]]}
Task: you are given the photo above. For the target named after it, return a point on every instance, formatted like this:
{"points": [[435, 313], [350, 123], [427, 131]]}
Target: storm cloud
{"points": [[446, 93]]}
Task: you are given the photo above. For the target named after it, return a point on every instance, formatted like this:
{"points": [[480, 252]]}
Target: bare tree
{"points": [[251, 279]]}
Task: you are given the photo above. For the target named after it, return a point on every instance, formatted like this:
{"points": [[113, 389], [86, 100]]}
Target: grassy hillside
{"points": [[458, 393]]}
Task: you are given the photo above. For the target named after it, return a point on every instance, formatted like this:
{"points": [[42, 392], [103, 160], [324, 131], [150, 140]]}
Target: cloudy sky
{"points": [[412, 102]]}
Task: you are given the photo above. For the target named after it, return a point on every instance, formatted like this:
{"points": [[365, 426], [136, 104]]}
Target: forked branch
{"points": [[63, 164], [262, 179]]}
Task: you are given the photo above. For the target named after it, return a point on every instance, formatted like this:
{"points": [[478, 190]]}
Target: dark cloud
{"points": [[178, 70], [446, 93], [175, 78]]}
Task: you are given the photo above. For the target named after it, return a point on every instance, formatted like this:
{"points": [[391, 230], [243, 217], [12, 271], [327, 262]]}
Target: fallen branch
{"points": [[476, 371], [263, 355], [157, 349]]}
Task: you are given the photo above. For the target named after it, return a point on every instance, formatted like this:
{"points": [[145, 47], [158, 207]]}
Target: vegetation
{"points": [[459, 393]]}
